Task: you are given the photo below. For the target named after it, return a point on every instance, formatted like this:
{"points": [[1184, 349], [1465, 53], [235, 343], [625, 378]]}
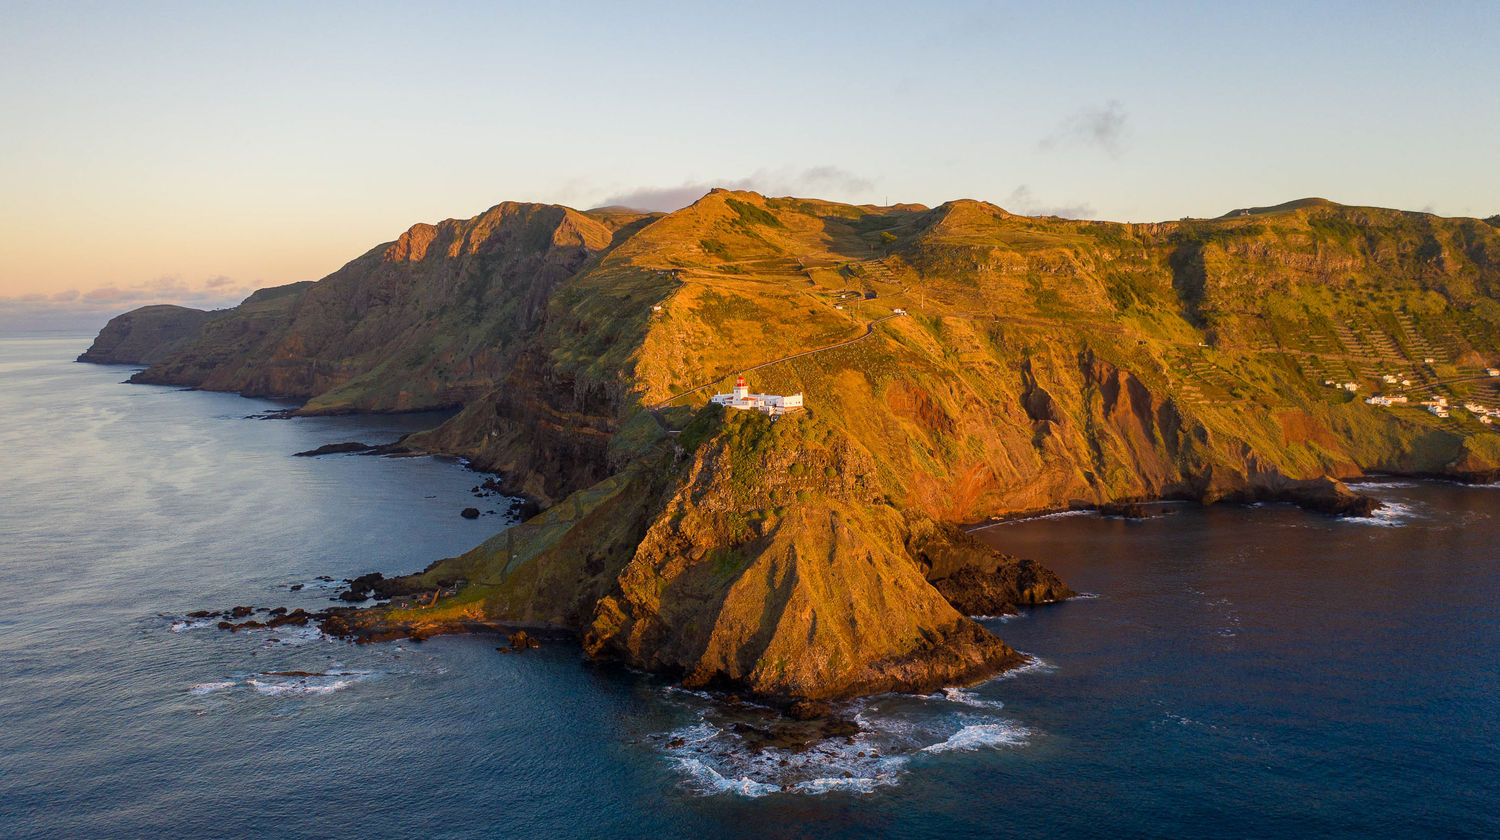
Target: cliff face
{"points": [[747, 554], [146, 335], [1039, 364], [433, 319]]}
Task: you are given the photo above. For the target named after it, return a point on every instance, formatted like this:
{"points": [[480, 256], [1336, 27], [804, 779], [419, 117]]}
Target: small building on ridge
{"points": [[772, 404]]}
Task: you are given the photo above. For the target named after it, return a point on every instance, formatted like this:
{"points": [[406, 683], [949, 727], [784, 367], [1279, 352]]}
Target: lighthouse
{"points": [[772, 404]]}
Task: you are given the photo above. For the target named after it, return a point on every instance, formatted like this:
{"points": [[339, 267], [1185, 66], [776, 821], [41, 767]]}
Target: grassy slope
{"points": [[432, 319], [1044, 362]]}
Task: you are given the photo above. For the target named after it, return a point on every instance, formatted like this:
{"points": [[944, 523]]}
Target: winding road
{"points": [[869, 330]]}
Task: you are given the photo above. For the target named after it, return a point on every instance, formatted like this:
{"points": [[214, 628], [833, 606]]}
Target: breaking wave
{"points": [[982, 735], [1389, 515], [753, 752], [296, 685], [965, 697]]}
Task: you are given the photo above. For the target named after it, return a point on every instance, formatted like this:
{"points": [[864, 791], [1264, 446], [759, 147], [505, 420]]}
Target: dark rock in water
{"points": [[469, 513], [240, 612], [978, 580], [277, 414], [809, 710], [1325, 495], [202, 614], [378, 586], [335, 448], [296, 587], [520, 640], [278, 611], [841, 727], [297, 617], [1128, 510], [225, 625]]}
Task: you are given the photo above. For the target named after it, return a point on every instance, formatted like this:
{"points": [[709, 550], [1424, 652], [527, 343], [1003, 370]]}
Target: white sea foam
{"points": [[1388, 515], [1000, 618], [300, 686], [210, 687], [715, 760], [292, 635], [1054, 515], [708, 780], [192, 624], [854, 785], [980, 736], [965, 697], [1037, 665], [722, 749]]}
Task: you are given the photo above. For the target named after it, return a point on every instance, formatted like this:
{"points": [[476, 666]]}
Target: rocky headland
{"points": [[958, 364]]}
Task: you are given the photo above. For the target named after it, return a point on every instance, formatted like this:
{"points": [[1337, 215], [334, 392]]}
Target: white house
{"points": [[772, 404]]}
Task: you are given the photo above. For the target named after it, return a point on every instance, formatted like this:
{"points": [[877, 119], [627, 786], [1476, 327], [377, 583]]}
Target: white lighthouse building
{"points": [[772, 404]]}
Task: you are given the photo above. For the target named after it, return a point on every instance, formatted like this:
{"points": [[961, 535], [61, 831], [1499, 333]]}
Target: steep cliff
{"points": [[147, 335], [434, 319], [958, 363]]}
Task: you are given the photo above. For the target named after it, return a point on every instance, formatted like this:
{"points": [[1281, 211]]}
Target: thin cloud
{"points": [[1023, 202], [1102, 128], [90, 309], [813, 182]]}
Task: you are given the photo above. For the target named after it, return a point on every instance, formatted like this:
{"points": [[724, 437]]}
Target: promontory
{"points": [[955, 364]]}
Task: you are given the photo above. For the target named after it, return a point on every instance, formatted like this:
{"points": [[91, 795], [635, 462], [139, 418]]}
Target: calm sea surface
{"points": [[1239, 672]]}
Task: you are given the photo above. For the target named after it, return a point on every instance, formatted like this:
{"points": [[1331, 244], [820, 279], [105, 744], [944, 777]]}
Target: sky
{"points": [[191, 152]]}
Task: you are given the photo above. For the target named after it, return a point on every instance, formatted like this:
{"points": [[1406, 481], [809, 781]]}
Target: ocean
{"points": [[1232, 672]]}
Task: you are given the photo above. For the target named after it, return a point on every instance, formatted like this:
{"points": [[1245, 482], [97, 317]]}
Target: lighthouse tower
{"points": [[743, 400]]}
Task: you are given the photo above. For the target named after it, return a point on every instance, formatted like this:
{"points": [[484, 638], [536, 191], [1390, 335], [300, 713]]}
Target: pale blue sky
{"points": [[147, 149]]}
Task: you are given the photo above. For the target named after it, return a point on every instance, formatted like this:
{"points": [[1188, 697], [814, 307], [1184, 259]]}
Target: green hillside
{"points": [[1034, 364]]}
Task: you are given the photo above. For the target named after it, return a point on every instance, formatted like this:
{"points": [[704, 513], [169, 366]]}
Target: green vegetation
{"points": [[1040, 363], [749, 214]]}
